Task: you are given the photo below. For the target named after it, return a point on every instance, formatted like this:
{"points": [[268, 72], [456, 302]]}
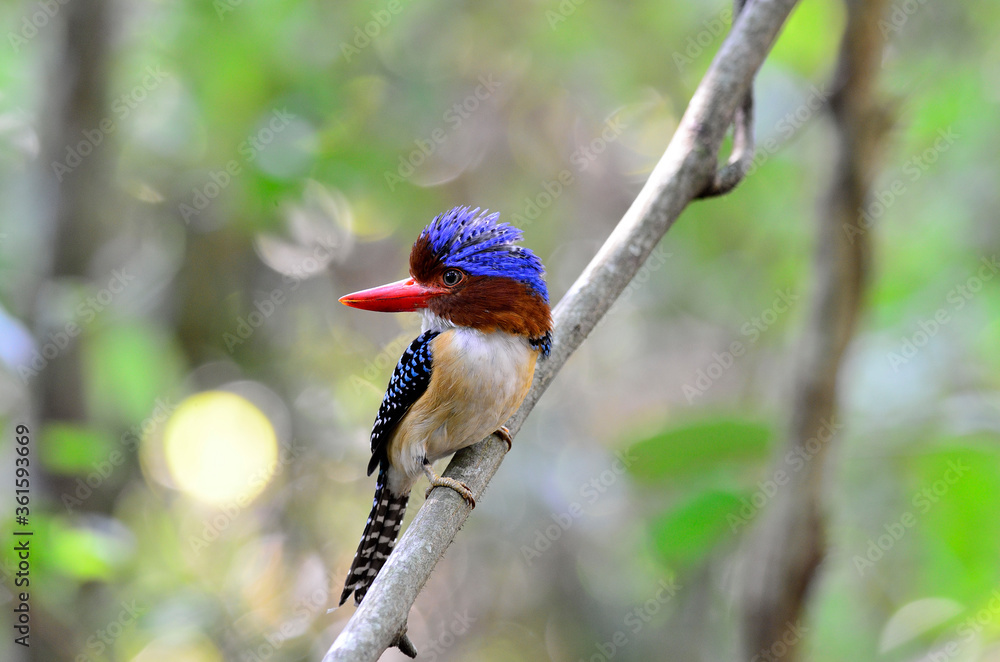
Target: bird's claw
{"points": [[443, 481], [463, 490], [504, 434]]}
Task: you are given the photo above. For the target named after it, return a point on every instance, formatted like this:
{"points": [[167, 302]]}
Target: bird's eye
{"points": [[452, 277]]}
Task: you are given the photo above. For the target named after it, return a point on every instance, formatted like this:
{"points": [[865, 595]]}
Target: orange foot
{"points": [[443, 481]]}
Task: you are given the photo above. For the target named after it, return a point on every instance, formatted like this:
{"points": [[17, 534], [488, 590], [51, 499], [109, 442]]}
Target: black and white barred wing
{"points": [[409, 381]]}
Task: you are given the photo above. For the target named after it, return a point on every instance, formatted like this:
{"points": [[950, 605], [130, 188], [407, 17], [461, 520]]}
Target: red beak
{"points": [[400, 297]]}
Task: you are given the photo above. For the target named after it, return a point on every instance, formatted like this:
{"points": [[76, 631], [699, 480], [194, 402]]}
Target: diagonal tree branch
{"points": [[684, 172]]}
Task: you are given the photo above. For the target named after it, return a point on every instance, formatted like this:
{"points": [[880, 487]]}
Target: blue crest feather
{"points": [[480, 245]]}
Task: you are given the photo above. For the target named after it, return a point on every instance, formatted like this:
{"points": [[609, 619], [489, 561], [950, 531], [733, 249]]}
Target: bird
{"points": [[486, 321]]}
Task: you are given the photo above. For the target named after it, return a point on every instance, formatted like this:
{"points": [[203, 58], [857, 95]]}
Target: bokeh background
{"points": [[189, 187]]}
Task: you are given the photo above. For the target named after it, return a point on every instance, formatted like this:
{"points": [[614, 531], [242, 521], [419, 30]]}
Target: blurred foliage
{"points": [[694, 450], [265, 158]]}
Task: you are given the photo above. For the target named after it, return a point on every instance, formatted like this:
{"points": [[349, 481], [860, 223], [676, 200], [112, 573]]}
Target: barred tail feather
{"points": [[377, 541]]}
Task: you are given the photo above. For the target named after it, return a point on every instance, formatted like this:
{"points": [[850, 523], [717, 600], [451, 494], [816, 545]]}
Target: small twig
{"points": [[403, 643], [741, 157]]}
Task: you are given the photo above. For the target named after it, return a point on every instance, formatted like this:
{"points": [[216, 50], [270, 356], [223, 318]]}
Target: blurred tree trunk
{"points": [[73, 204], [75, 209], [778, 562]]}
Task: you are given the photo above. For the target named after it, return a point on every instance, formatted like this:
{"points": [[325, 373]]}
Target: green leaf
{"points": [[87, 553], [685, 534], [699, 447], [954, 496], [68, 449], [127, 368]]}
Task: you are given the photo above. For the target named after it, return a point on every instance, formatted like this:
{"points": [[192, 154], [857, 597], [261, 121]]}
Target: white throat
{"points": [[434, 322]]}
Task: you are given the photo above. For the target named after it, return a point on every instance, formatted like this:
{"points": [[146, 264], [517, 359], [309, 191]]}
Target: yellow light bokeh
{"points": [[220, 448]]}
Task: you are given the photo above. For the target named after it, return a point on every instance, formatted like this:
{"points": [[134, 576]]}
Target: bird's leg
{"points": [[504, 434], [444, 481]]}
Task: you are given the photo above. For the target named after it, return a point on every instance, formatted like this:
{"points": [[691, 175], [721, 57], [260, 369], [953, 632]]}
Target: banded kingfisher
{"points": [[486, 321]]}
